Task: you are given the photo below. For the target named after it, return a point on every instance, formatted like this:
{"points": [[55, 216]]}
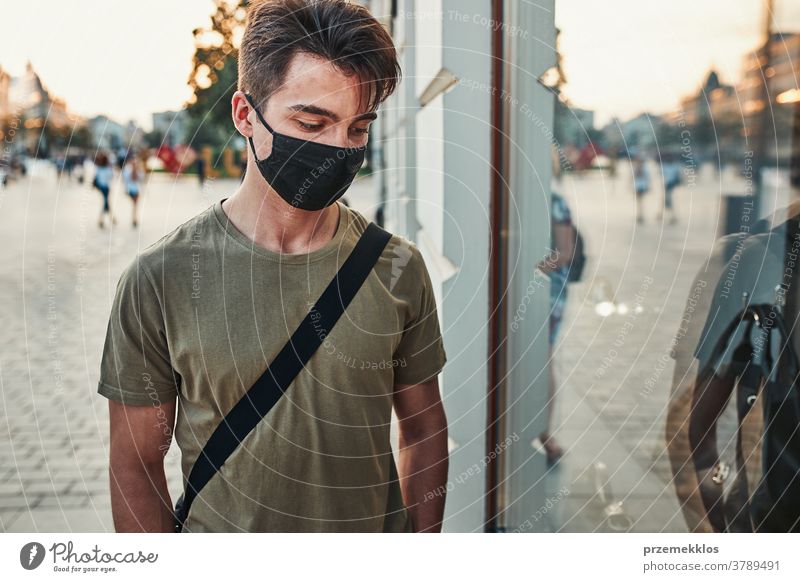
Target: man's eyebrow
{"points": [[371, 116], [314, 110]]}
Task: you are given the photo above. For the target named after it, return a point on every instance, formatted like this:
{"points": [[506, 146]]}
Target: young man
{"points": [[199, 316]]}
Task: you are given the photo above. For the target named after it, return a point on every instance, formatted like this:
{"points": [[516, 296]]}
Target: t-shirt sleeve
{"points": [[756, 272], [420, 356], [135, 367]]}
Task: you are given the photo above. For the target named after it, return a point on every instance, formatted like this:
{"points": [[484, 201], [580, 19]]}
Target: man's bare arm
{"points": [[140, 438], [564, 236], [423, 457]]}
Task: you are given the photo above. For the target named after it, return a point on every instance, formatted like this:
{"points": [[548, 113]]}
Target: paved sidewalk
{"points": [[58, 273]]}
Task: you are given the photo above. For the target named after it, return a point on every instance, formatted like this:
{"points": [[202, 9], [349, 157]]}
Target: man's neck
{"points": [[270, 222]]}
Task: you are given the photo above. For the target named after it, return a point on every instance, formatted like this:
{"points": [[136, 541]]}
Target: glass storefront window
{"points": [[677, 147]]}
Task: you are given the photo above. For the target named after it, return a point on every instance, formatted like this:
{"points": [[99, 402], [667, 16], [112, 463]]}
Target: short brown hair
{"points": [[341, 32]]}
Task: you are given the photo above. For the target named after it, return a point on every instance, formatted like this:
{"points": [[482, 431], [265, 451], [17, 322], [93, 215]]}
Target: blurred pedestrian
{"points": [[557, 265], [132, 177], [641, 184], [121, 157], [103, 176], [61, 165], [671, 174], [80, 170], [69, 166], [201, 171]]}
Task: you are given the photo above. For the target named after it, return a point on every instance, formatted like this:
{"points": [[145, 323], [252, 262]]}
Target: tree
{"points": [[213, 78]]}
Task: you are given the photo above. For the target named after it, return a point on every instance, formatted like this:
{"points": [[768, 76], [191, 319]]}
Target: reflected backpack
{"points": [[765, 367]]}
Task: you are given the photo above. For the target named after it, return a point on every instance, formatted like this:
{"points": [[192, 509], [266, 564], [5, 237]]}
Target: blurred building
{"points": [[780, 59], [636, 135], [641, 130], [107, 133], [43, 117], [6, 116], [134, 136], [5, 87], [172, 126], [575, 126], [730, 116], [714, 99]]}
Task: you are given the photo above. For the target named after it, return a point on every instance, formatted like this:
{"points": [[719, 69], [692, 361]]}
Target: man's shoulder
{"points": [[158, 258], [401, 258], [758, 263], [397, 243]]}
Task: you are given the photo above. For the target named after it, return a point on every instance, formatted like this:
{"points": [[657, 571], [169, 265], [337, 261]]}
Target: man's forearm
{"points": [[423, 478], [140, 500]]}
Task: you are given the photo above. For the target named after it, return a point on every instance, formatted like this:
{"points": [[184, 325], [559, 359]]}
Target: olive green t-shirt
{"points": [[199, 316]]}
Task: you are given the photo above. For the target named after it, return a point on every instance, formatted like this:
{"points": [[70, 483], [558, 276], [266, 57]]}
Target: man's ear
{"points": [[240, 111]]}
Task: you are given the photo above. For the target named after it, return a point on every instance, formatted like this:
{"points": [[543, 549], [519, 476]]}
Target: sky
{"points": [[621, 57], [125, 59]]}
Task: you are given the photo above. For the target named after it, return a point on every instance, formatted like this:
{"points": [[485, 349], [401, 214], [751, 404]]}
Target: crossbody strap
{"points": [[273, 383]]}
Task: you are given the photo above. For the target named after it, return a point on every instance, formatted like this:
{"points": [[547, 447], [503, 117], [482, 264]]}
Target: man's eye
{"points": [[361, 130], [309, 126]]}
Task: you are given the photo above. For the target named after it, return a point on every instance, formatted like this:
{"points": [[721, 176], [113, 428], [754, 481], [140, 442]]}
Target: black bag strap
{"points": [[273, 383]]}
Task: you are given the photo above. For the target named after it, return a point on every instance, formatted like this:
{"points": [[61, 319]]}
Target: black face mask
{"points": [[306, 174]]}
